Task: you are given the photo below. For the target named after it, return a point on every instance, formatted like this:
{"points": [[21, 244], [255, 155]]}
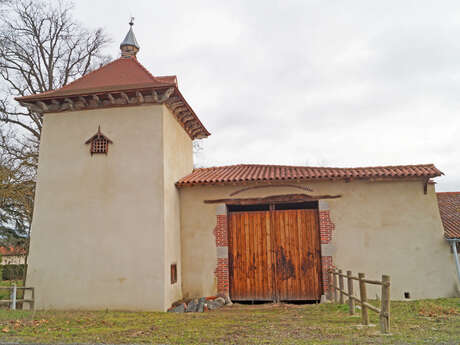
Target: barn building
{"points": [[123, 221]]}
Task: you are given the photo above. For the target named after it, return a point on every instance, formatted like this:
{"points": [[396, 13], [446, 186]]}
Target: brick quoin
{"points": [[221, 272], [325, 229]]}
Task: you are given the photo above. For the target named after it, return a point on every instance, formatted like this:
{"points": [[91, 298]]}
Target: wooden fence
{"points": [[337, 293], [12, 302]]}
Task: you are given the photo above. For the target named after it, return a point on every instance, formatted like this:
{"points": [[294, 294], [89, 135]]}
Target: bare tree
{"points": [[41, 48], [16, 202]]}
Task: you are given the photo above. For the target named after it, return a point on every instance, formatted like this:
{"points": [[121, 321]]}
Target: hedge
{"points": [[13, 272]]}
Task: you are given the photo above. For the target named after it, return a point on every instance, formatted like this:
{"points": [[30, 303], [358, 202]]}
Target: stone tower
{"points": [[106, 226]]}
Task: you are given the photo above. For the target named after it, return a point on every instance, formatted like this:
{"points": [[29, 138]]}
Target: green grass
{"points": [[4, 293], [416, 322]]}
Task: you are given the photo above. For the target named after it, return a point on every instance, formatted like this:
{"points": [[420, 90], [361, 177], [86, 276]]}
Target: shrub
{"points": [[13, 272]]}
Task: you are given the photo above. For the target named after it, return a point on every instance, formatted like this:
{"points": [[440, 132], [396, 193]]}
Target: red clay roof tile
{"points": [[449, 208], [125, 74], [120, 74], [7, 251], [255, 173]]}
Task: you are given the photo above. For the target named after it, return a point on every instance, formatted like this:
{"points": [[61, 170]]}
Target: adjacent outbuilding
{"points": [[449, 208]]}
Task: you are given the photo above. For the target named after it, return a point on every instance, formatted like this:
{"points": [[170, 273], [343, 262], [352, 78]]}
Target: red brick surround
{"points": [[325, 228], [220, 232], [222, 276]]}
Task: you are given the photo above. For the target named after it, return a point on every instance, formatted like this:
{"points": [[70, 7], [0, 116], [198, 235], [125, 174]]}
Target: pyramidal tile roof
{"points": [[120, 74], [123, 81], [243, 173], [449, 209]]}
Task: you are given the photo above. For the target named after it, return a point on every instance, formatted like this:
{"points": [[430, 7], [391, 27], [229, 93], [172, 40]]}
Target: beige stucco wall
{"points": [[381, 228], [178, 162], [98, 237]]}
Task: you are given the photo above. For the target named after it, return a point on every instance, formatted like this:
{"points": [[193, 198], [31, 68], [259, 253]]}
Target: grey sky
{"points": [[333, 83]]}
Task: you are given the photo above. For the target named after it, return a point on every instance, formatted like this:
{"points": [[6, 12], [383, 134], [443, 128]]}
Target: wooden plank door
{"points": [[298, 255], [274, 255], [251, 265]]}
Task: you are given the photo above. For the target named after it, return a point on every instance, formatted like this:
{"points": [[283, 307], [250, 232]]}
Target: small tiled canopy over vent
{"points": [[99, 143]]}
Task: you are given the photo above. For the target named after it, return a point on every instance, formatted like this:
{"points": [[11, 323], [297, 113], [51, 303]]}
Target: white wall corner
{"points": [[328, 249], [222, 252], [221, 210], [323, 205]]}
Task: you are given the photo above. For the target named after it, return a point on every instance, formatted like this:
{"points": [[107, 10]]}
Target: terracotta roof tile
{"points": [[241, 173], [124, 75], [120, 74], [6, 251], [449, 208]]}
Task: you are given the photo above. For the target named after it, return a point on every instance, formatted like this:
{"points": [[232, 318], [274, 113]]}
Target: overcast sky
{"points": [[320, 83]]}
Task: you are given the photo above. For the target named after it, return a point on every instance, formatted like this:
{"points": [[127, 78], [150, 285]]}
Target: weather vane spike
{"points": [[131, 22]]}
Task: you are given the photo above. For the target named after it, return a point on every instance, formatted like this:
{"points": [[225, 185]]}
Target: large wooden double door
{"points": [[274, 255]]}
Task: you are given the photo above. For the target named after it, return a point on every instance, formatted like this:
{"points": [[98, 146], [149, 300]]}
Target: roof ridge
{"points": [[144, 69], [316, 167], [117, 63], [242, 173]]}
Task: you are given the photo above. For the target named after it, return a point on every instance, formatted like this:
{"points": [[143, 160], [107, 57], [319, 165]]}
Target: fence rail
{"points": [[13, 296], [337, 293]]}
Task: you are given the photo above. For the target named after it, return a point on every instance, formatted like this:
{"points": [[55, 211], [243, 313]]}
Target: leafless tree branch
{"points": [[42, 47]]}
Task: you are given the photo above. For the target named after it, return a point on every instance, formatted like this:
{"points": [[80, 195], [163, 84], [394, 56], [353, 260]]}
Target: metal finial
{"points": [[131, 22]]}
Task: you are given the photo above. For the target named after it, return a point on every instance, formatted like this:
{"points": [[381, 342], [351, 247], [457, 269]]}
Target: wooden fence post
{"points": [[341, 287], [351, 301], [335, 286], [385, 307], [32, 305], [13, 297], [363, 298]]}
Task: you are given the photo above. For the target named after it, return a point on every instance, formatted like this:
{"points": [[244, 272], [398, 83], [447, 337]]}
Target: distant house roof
{"points": [[449, 208], [243, 173], [10, 251], [123, 81]]}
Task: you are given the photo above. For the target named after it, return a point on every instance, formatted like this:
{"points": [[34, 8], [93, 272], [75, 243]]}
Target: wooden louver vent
{"points": [[99, 143], [173, 273]]}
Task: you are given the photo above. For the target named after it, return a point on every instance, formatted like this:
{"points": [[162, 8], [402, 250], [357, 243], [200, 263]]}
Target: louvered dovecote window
{"points": [[99, 143], [173, 273]]}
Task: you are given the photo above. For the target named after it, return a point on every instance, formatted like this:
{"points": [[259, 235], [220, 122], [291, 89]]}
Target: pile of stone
{"points": [[199, 305]]}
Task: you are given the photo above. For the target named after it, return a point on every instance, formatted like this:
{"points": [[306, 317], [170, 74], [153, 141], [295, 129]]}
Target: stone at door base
{"points": [[228, 301], [200, 306], [324, 299], [220, 301], [212, 305], [192, 306], [179, 309]]}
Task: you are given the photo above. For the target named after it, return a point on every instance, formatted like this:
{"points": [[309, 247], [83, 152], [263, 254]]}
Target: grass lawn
{"points": [[4, 293], [416, 322]]}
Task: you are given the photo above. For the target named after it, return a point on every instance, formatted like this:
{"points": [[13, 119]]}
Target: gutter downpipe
{"points": [[453, 243]]}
